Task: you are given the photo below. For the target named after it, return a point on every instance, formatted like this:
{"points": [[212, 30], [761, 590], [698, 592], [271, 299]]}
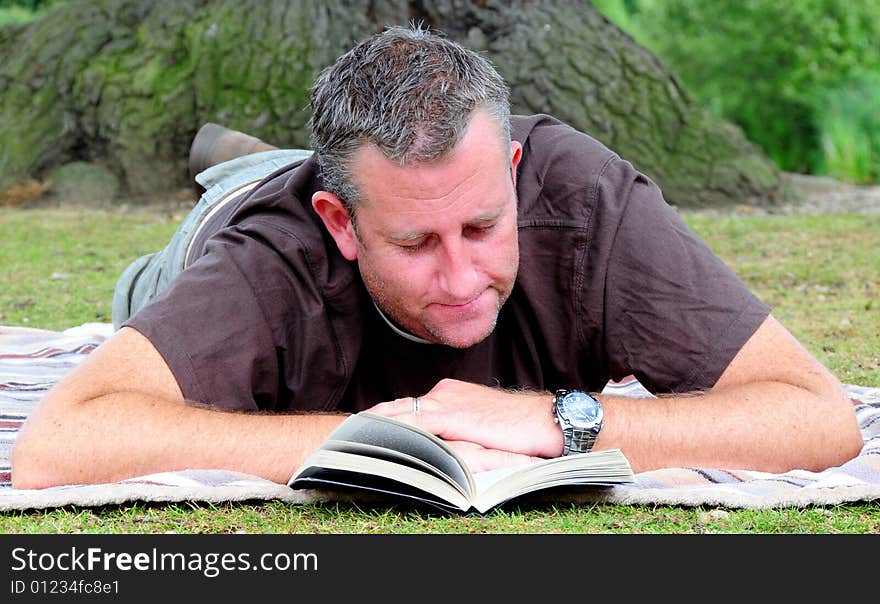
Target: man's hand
{"points": [[481, 459], [501, 422]]}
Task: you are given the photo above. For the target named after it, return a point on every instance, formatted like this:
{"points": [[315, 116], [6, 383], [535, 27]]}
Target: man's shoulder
{"points": [[563, 170], [276, 222], [546, 134], [281, 203]]}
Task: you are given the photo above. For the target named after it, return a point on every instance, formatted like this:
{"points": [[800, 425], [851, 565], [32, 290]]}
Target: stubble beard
{"points": [[391, 307]]}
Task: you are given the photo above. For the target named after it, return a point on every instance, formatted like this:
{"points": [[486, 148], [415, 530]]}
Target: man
{"points": [[465, 267]]}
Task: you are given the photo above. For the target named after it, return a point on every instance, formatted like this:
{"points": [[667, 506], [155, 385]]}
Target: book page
{"points": [[380, 431], [600, 468], [375, 452], [348, 469]]}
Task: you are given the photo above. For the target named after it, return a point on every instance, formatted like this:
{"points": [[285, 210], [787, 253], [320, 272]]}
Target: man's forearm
{"points": [[767, 426], [128, 434]]}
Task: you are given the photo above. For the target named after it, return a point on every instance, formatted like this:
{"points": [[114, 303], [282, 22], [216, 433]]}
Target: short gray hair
{"points": [[408, 91]]}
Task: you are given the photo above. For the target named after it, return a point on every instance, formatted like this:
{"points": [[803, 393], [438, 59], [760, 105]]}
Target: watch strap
{"points": [[578, 441], [575, 440]]}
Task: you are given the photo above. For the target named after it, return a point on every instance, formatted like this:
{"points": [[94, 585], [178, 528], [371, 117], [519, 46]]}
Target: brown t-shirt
{"points": [[611, 283]]}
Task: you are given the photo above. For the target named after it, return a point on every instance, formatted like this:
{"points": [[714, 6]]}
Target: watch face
{"points": [[581, 409]]}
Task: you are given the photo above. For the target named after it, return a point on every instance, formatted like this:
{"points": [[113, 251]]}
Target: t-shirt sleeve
{"points": [[213, 325], [676, 314]]}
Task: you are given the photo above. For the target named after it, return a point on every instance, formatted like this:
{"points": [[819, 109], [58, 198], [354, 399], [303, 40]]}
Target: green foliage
{"points": [[621, 12], [771, 67], [15, 14], [31, 5], [25, 11], [849, 123]]}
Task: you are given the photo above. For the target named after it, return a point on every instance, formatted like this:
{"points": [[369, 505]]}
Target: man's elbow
{"points": [[40, 456], [32, 466], [847, 449], [851, 441], [843, 437]]}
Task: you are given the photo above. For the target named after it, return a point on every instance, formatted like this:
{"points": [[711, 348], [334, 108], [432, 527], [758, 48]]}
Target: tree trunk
{"points": [[127, 83]]}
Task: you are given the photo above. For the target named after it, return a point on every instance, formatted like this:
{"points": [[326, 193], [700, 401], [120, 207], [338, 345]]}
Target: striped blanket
{"points": [[32, 360]]}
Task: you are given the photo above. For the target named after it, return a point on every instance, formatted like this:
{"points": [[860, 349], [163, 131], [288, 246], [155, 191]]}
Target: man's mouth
{"points": [[463, 310]]}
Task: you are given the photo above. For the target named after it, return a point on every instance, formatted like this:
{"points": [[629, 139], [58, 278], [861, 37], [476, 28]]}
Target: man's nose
{"points": [[458, 272]]}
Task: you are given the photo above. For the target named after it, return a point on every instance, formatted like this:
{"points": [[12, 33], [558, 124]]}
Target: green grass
{"points": [[821, 275], [58, 267], [276, 518]]}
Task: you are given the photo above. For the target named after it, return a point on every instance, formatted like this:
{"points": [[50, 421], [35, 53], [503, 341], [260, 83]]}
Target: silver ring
{"points": [[415, 404]]}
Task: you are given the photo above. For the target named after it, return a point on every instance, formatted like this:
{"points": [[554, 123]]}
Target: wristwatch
{"points": [[580, 415]]}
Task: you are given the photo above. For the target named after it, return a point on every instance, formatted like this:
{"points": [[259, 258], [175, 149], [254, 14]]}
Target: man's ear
{"points": [[337, 221], [515, 157]]}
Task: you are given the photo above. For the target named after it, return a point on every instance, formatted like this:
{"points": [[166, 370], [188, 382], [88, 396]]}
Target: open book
{"points": [[377, 453]]}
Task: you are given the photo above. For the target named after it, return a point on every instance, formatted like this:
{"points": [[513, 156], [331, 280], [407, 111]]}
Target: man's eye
{"points": [[481, 229], [413, 247]]}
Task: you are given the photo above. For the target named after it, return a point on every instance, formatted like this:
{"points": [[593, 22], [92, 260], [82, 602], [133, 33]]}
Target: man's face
{"points": [[437, 243]]}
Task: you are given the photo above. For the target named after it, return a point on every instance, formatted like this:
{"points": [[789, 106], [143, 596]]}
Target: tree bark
{"points": [[128, 82]]}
